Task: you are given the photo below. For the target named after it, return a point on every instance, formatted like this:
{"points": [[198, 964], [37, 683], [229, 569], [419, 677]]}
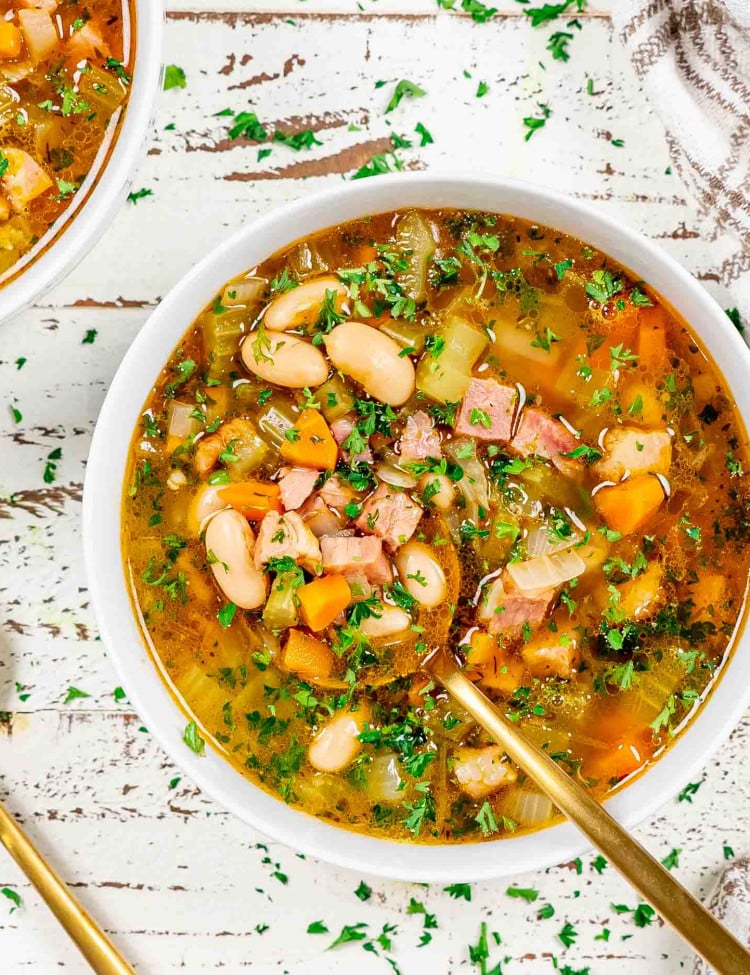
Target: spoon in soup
{"points": [[689, 918]]}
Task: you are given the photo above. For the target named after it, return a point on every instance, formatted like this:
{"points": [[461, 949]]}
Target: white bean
{"points": [[391, 620], [336, 745], [438, 490], [421, 575], [372, 358], [301, 306], [206, 502], [230, 544], [285, 360]]}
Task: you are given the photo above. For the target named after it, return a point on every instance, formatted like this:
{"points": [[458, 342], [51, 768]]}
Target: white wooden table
{"points": [[181, 886]]}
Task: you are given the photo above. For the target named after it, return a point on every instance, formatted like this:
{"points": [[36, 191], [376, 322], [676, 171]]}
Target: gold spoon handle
{"points": [[93, 943], [685, 913]]}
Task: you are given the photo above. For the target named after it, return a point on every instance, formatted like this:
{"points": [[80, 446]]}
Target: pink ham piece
{"points": [[296, 485], [487, 410], [391, 515], [341, 429], [337, 493], [420, 439], [507, 609], [543, 436], [356, 556]]}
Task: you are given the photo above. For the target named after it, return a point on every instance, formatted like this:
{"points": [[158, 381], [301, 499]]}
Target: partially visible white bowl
{"points": [[104, 189], [104, 493]]}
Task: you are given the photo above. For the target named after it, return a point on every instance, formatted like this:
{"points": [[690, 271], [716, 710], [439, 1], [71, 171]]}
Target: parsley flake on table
{"points": [[137, 195], [567, 934], [21, 362], [535, 122], [425, 137], [525, 893], [317, 927], [545, 912], [350, 932], [551, 11], [404, 89], [13, 897], [16, 414], [50, 466], [363, 892], [458, 891], [733, 315], [728, 852], [73, 694], [90, 337], [482, 89], [174, 77], [672, 859]]}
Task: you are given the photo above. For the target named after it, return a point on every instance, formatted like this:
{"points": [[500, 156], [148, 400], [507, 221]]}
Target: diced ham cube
{"points": [[634, 451], [296, 485], [507, 609], [337, 493], [482, 771], [282, 535], [356, 556], [420, 439], [49, 5], [552, 654], [319, 518], [88, 43], [391, 515], [487, 410], [341, 429], [39, 32], [543, 436]]}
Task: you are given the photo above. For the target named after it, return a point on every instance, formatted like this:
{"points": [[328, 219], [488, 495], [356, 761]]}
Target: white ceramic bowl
{"points": [[103, 191], [104, 488]]}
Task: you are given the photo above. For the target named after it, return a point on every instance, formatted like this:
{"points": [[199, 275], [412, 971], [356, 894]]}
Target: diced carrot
{"points": [[306, 655], [625, 756], [493, 666], [708, 593], [640, 400], [321, 601], [642, 597], [253, 499], [24, 179], [652, 337], [621, 331], [10, 40], [310, 442], [627, 506]]}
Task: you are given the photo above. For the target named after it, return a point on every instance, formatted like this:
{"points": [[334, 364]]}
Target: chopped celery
{"points": [[416, 243], [280, 611], [335, 397], [444, 373], [221, 338], [101, 88], [251, 452], [408, 334], [277, 417], [247, 292], [544, 482]]}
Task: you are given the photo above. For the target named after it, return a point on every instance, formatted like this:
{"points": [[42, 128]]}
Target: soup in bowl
{"points": [[431, 423], [77, 86]]}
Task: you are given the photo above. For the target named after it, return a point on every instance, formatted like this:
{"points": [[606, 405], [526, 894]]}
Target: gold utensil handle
{"points": [[93, 943], [685, 913]]}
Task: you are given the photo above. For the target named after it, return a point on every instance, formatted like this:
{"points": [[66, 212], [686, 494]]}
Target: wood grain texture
{"points": [[180, 884]]}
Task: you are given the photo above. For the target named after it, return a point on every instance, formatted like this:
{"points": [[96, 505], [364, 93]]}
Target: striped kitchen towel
{"points": [[693, 60]]}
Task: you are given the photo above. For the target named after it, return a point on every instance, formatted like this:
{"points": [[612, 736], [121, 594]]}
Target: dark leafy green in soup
{"points": [[64, 77], [424, 428]]}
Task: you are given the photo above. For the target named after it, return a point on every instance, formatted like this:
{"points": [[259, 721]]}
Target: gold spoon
{"points": [[670, 899], [91, 941]]}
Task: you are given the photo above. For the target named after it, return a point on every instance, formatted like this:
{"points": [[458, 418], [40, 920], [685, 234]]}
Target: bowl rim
{"points": [[133, 661], [82, 230]]}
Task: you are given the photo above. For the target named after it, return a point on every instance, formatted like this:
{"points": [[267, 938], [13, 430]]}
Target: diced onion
{"points": [[528, 808], [547, 571], [180, 423], [540, 542], [383, 779], [395, 476]]}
